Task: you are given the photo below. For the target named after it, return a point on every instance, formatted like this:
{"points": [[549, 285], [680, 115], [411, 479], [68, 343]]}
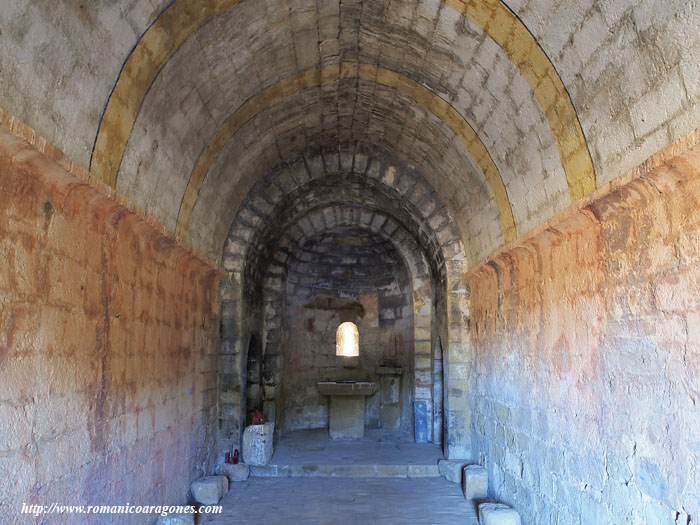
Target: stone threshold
{"points": [[345, 471]]}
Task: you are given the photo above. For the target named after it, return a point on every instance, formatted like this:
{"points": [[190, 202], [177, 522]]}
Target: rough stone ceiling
{"points": [[522, 106]]}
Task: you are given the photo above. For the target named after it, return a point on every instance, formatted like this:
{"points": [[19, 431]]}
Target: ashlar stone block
{"points": [[475, 482], [347, 417], [498, 514], [452, 469], [209, 489], [237, 472], [258, 444]]}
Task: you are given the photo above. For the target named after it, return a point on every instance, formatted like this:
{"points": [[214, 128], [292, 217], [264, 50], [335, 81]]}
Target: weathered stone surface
{"points": [[498, 514], [66, 251], [347, 417], [390, 416], [176, 519], [388, 500], [475, 482], [258, 443], [389, 388], [629, 267], [345, 471], [452, 469], [360, 263], [270, 471], [238, 472], [209, 489], [582, 41], [389, 370], [607, 310], [270, 411], [423, 471]]}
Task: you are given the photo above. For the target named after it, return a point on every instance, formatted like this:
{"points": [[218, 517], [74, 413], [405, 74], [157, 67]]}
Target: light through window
{"points": [[347, 340]]}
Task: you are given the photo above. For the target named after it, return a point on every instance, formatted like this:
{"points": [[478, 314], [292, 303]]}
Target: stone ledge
{"points": [[345, 471]]}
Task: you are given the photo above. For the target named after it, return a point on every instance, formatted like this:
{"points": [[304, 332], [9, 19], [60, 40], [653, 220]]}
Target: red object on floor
{"points": [[235, 457], [228, 457], [258, 417]]}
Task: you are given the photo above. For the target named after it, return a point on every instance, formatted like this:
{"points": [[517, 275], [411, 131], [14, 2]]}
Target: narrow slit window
{"points": [[347, 340]]}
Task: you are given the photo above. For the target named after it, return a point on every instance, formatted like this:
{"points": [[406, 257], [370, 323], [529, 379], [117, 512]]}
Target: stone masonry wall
{"points": [[108, 346], [587, 359], [344, 275]]}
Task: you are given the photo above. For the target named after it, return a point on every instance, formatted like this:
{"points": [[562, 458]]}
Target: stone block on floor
{"points": [[258, 444], [475, 482], [210, 489], [498, 514], [452, 469], [176, 519], [237, 472]]}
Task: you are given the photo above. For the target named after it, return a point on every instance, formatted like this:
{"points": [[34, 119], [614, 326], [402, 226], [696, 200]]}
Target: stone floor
{"points": [[321, 481], [340, 501], [309, 447]]}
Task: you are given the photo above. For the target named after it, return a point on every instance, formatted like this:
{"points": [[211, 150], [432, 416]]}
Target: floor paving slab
{"points": [[341, 501]]}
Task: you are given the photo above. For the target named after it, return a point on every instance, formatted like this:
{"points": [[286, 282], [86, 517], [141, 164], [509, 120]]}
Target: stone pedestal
{"points": [[347, 417], [258, 444], [347, 406]]}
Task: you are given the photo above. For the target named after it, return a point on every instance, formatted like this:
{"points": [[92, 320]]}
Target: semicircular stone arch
{"points": [[350, 173], [446, 255], [338, 217], [483, 228]]}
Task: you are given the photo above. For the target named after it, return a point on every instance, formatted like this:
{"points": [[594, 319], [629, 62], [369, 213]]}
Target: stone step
{"points": [[345, 471]]}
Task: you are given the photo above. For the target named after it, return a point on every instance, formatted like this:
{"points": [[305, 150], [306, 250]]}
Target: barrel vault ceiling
{"points": [[511, 111]]}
